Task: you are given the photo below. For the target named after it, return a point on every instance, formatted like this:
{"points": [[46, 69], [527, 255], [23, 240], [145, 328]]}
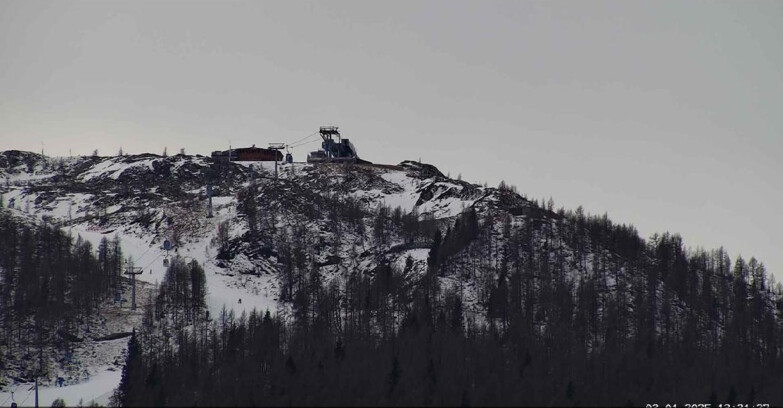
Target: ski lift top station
{"points": [[334, 149]]}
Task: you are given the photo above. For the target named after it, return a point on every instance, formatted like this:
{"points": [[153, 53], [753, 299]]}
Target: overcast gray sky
{"points": [[666, 115]]}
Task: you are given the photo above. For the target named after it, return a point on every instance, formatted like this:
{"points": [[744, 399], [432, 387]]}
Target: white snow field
{"points": [[98, 390]]}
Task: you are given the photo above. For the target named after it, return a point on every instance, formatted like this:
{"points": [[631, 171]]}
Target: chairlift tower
{"points": [[276, 147], [209, 197], [209, 178], [133, 271]]}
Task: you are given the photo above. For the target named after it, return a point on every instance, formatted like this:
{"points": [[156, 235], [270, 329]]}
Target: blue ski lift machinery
{"points": [[335, 149]]}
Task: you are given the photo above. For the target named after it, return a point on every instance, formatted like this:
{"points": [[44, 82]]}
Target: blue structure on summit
{"points": [[333, 151]]}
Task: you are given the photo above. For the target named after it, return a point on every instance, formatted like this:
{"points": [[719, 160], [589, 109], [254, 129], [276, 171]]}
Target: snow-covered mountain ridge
{"points": [[346, 218], [508, 260], [146, 198]]}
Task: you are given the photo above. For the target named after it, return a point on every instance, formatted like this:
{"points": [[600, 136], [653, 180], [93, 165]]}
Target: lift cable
{"points": [[153, 260], [302, 144], [304, 138], [28, 395], [145, 253]]}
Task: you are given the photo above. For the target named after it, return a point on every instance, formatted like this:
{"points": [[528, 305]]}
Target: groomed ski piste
{"points": [[97, 390]]}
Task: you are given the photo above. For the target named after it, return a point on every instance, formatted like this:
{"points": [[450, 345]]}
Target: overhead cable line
{"points": [[153, 260], [302, 144], [145, 253], [304, 138], [28, 396]]}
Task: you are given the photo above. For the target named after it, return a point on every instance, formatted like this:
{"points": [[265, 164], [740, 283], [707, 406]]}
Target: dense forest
{"points": [[573, 310], [50, 284]]}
